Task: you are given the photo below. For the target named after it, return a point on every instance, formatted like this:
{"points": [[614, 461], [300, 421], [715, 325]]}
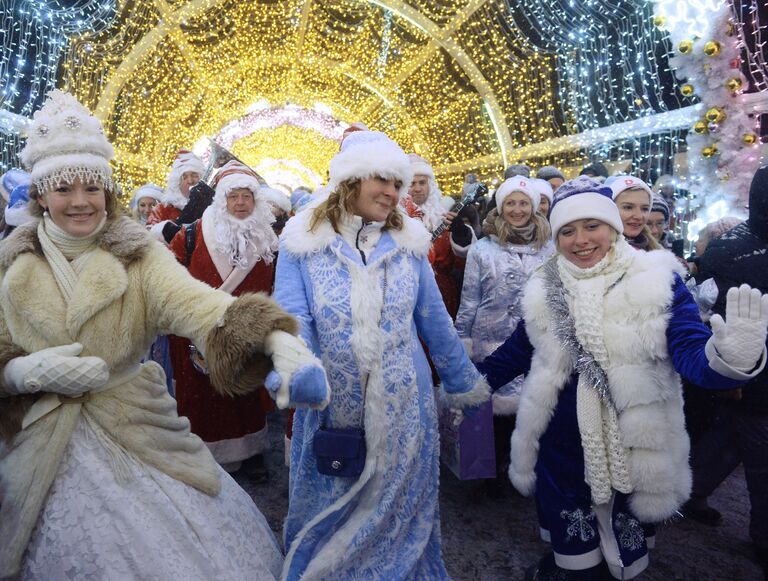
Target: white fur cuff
{"points": [[480, 393], [505, 405]]}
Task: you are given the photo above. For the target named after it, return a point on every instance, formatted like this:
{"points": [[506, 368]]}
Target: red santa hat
{"points": [[185, 161], [420, 166], [233, 175]]}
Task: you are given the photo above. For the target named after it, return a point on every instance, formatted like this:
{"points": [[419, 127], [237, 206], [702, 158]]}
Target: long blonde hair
{"points": [[342, 201], [496, 225]]}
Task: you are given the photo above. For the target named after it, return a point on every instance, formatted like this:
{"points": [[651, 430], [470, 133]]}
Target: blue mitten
{"points": [[298, 379]]}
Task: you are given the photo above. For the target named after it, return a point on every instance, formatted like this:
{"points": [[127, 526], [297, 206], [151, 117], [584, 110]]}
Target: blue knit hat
{"points": [[584, 198]]}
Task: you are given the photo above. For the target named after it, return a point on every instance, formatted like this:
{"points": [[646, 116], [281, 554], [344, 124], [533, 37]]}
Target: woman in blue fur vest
{"points": [[353, 269], [600, 437]]}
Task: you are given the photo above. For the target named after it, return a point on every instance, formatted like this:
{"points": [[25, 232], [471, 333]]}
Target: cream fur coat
{"points": [[129, 291]]}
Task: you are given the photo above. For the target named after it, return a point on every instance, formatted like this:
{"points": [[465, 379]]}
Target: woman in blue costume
{"points": [[353, 269], [600, 437]]}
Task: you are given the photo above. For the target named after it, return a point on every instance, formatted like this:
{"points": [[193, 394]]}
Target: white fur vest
{"points": [[644, 386]]}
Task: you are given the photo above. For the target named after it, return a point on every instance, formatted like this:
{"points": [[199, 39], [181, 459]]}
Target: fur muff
{"points": [[14, 408], [235, 347]]}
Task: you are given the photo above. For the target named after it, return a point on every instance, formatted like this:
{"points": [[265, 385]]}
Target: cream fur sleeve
{"points": [[230, 331], [12, 408]]}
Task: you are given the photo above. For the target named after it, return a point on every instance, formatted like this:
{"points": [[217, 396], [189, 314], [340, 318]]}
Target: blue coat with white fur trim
{"points": [[384, 525], [653, 332]]}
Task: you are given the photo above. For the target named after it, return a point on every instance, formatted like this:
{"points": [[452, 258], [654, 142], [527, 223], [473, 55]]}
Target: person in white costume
{"points": [[100, 477]]}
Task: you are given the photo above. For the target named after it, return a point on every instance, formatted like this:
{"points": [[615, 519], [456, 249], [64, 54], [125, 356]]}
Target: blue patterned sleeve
{"points": [[511, 359], [687, 337], [433, 323], [471, 293], [292, 294]]}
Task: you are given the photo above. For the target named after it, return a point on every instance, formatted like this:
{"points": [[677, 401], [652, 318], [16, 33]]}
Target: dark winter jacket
{"points": [[740, 256]]}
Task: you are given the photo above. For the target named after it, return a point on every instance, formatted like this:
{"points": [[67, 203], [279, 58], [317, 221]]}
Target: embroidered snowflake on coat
{"points": [[629, 532], [579, 524]]}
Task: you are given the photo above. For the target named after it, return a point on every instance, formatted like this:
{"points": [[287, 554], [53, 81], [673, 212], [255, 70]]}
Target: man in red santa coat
{"points": [[186, 171], [233, 249], [448, 253]]}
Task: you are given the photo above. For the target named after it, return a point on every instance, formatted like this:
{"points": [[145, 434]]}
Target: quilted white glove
{"points": [[740, 339], [57, 370], [298, 379]]}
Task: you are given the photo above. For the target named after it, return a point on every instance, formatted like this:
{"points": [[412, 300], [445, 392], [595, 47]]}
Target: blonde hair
{"points": [[496, 224], [342, 201]]}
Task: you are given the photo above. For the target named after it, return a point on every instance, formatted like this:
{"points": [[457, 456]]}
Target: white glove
{"points": [[299, 379], [57, 370], [740, 339]]}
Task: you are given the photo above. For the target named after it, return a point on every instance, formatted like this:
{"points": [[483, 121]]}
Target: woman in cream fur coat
{"points": [[600, 437], [100, 477]]}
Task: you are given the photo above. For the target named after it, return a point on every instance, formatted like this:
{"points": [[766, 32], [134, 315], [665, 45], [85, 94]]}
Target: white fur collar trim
{"points": [[297, 239]]}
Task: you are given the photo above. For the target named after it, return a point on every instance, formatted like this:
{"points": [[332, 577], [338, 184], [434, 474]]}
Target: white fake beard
{"points": [[433, 211], [245, 241]]}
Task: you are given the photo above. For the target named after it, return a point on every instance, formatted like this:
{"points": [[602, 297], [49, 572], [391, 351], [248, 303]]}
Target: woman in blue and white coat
{"points": [[353, 269], [600, 436], [517, 242]]}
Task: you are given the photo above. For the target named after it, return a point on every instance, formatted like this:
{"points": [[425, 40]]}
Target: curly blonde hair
{"points": [[342, 201]]}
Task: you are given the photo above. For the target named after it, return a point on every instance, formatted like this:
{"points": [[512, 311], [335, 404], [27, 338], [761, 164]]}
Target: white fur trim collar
{"points": [[297, 239]]}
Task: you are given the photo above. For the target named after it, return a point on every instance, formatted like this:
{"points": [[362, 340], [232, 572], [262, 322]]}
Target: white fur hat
{"points": [[368, 154], [275, 197], [543, 187], [620, 183], [517, 184], [581, 199], [420, 167], [147, 191], [185, 161], [233, 175], [66, 142]]}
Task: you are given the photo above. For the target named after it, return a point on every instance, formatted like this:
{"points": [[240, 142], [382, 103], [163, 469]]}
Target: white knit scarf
{"points": [[605, 458], [65, 253]]}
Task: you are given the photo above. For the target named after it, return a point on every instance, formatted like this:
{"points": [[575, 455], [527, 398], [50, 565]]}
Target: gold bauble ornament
{"points": [[701, 127], [685, 47], [687, 90], [659, 21], [715, 115], [710, 151], [712, 48], [749, 138], [733, 84]]}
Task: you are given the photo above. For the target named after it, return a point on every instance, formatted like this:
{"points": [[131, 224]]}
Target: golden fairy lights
{"points": [[167, 73]]}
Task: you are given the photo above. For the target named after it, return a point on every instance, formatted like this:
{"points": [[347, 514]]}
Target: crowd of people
{"points": [[142, 350]]}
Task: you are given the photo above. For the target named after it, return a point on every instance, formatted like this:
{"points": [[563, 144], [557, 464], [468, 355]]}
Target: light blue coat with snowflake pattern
{"points": [[384, 525]]}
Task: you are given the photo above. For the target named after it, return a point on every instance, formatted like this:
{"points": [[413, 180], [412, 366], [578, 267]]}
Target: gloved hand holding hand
{"points": [[298, 379], [740, 339], [57, 370]]}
